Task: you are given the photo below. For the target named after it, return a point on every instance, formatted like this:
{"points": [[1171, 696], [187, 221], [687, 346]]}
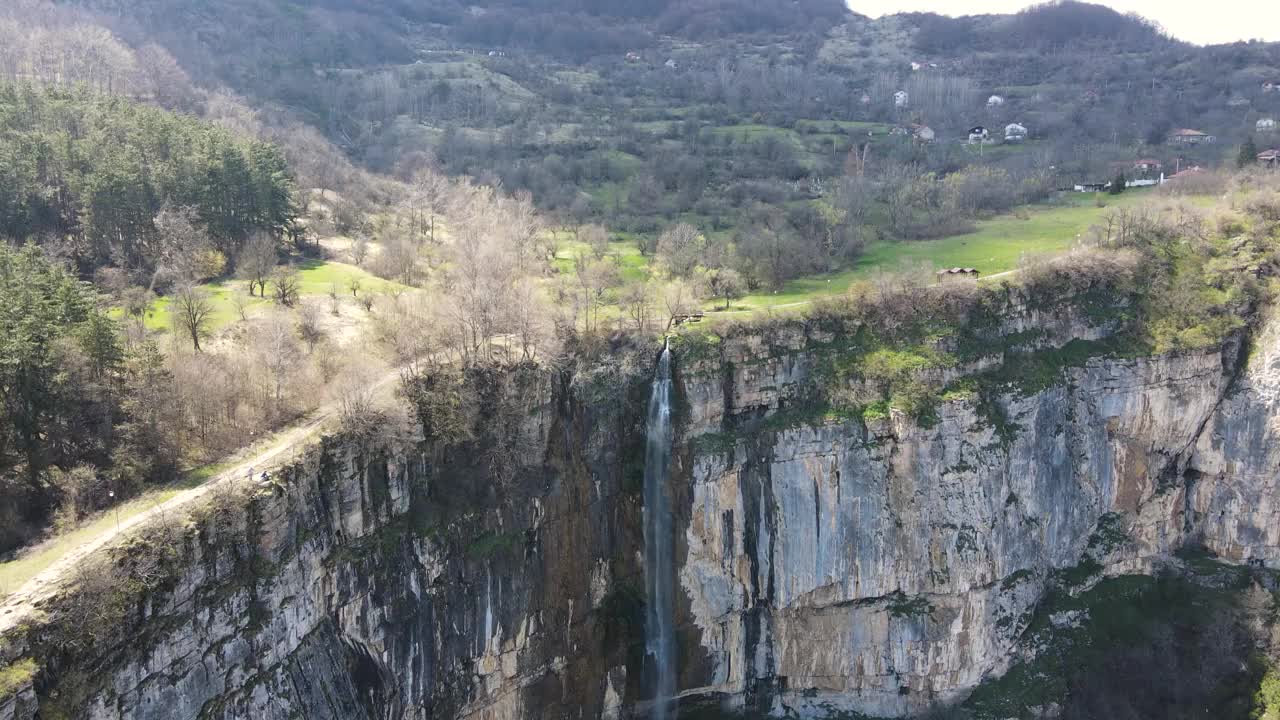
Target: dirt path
{"points": [[18, 605]]}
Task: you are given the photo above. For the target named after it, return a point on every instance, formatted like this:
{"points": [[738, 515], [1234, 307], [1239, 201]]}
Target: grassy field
{"points": [[631, 264], [315, 278], [995, 247], [845, 126]]}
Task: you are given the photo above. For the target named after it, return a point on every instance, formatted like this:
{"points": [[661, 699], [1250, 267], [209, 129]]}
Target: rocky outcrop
{"points": [[1234, 474], [377, 578], [886, 567], [823, 564]]}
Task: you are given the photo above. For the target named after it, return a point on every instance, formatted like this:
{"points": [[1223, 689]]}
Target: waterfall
{"points": [[658, 562], [488, 606]]}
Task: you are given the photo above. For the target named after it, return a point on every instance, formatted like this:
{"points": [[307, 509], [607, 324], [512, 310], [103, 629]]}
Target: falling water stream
{"points": [[659, 575], [488, 606]]}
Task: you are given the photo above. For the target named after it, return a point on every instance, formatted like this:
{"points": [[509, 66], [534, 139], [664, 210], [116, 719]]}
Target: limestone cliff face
{"points": [[887, 567], [380, 579], [1234, 473], [823, 565]]}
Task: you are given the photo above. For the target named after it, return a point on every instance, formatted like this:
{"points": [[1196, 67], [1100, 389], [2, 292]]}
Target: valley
{"points": [[531, 359]]}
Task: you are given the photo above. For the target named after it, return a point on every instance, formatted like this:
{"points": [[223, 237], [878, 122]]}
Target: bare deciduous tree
{"points": [[285, 285], [192, 314], [181, 250], [357, 402], [531, 324], [328, 360], [594, 278], [309, 326], [596, 238], [257, 259], [680, 249], [359, 250], [680, 297], [409, 329], [241, 304], [276, 347], [637, 301]]}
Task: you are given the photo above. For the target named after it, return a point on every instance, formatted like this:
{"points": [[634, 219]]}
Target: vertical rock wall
{"points": [[823, 565]]}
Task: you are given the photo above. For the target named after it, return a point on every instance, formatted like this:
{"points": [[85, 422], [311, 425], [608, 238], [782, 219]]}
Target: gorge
{"points": [[823, 564]]}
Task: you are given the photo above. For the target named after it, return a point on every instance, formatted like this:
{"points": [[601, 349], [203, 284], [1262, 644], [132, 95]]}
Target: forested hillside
{"points": [[90, 173], [162, 279], [757, 123], [140, 199]]}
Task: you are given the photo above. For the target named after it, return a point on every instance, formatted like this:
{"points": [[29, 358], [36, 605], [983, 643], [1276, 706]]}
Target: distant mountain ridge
{"points": [[1049, 26], [543, 93]]}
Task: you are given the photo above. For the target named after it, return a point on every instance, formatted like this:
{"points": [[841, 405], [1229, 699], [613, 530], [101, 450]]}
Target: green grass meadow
{"points": [[315, 278], [995, 247]]}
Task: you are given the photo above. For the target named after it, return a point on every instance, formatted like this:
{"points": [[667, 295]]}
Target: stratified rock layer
{"points": [[824, 565]]}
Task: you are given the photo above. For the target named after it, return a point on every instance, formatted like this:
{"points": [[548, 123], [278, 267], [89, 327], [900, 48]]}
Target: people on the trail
{"points": [[265, 476]]}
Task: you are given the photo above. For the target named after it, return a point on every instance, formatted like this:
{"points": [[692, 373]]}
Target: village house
{"points": [[978, 134], [957, 273], [1269, 159], [633, 57], [1014, 132], [1237, 101], [901, 99], [671, 64], [995, 101], [1183, 175], [915, 66], [1147, 166], [1271, 86], [1265, 125], [1139, 173], [865, 99], [1187, 136], [1091, 187]]}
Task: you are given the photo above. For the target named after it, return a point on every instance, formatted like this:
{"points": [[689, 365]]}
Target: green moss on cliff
{"points": [[492, 544], [901, 606], [16, 676], [1173, 646]]}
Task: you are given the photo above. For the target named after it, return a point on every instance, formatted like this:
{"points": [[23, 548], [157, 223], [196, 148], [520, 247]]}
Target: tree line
{"points": [[88, 174]]}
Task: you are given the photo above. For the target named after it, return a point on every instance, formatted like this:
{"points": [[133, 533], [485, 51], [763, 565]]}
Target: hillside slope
{"points": [[724, 114]]}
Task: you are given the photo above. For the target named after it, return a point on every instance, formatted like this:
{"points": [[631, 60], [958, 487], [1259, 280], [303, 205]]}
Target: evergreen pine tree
{"points": [[1117, 184], [1248, 153]]}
